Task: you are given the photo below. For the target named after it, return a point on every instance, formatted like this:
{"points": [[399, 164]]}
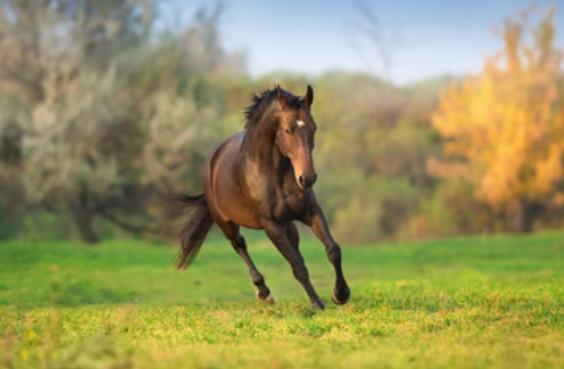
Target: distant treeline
{"points": [[105, 113]]}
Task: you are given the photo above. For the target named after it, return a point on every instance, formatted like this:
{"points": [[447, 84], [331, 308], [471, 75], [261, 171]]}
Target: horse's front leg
{"points": [[316, 220], [278, 235]]}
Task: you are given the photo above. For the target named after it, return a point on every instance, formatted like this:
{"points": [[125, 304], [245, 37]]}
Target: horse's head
{"points": [[295, 136]]}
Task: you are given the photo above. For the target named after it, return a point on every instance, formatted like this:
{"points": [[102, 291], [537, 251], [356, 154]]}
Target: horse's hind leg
{"points": [[231, 231]]}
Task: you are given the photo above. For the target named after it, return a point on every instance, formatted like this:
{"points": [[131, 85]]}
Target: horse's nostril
{"points": [[307, 181]]}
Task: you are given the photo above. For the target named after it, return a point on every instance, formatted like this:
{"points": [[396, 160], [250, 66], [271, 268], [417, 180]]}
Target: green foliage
{"points": [[8, 224], [373, 144], [463, 303]]}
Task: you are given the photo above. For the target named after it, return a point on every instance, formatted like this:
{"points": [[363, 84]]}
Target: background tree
{"points": [[79, 132], [104, 116], [504, 128], [371, 153]]}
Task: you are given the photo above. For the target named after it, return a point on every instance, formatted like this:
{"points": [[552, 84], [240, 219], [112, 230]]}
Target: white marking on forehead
{"points": [[300, 123]]}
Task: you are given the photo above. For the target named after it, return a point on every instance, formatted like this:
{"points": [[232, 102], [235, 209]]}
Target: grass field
{"points": [[477, 302]]}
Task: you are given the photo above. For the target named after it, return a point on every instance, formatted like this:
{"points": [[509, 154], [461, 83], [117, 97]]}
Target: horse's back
{"points": [[222, 186], [224, 153]]}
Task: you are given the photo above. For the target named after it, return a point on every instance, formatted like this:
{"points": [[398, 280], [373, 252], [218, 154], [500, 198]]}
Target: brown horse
{"points": [[262, 178]]}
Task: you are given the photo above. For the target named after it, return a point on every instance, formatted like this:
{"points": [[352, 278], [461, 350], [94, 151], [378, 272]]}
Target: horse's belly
{"points": [[235, 209]]}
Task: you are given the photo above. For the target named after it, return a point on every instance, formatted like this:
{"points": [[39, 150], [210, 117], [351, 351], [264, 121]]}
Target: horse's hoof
{"points": [[318, 306], [343, 298], [268, 299]]}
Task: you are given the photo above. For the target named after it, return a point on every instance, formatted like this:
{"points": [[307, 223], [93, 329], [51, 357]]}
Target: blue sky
{"points": [[425, 38]]}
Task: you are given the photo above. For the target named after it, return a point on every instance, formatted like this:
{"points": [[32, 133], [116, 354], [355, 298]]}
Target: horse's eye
{"points": [[288, 131]]}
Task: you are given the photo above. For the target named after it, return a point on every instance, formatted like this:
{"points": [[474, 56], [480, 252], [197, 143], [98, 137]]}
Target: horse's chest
{"points": [[290, 206]]}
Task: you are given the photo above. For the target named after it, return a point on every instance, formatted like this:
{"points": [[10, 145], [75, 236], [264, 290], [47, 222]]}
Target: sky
{"points": [[423, 39]]}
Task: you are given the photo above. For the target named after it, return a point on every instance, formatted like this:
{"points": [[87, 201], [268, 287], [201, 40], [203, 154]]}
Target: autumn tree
{"points": [[503, 129]]}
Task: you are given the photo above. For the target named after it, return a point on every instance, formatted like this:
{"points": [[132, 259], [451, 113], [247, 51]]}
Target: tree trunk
{"points": [[84, 224], [525, 219]]}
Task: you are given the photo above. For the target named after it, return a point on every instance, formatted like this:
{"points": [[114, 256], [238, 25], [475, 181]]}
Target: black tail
{"points": [[195, 230]]}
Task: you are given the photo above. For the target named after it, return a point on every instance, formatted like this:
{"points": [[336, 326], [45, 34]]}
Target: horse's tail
{"points": [[195, 230]]}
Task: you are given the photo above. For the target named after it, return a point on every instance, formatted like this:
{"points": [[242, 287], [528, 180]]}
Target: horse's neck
{"points": [[259, 151]]}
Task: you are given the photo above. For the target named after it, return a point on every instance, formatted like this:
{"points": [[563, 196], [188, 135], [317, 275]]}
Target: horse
{"points": [[262, 178]]}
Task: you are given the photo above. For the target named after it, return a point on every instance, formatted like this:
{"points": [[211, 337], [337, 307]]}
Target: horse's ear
{"points": [[281, 96], [308, 98]]}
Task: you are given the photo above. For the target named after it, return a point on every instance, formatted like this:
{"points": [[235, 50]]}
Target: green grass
{"points": [[476, 302]]}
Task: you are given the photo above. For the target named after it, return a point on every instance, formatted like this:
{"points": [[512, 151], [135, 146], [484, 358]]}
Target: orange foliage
{"points": [[504, 128]]}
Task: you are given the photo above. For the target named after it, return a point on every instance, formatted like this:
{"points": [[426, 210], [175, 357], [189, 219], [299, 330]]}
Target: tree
{"points": [[503, 129], [103, 115], [371, 153], [374, 38]]}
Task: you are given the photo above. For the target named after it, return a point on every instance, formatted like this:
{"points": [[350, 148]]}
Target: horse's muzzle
{"points": [[307, 181]]}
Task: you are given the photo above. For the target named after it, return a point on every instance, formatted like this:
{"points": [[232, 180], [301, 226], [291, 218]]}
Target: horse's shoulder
{"points": [[231, 143]]}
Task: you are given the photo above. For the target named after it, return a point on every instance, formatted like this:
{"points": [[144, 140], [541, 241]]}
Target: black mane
{"points": [[261, 102]]}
